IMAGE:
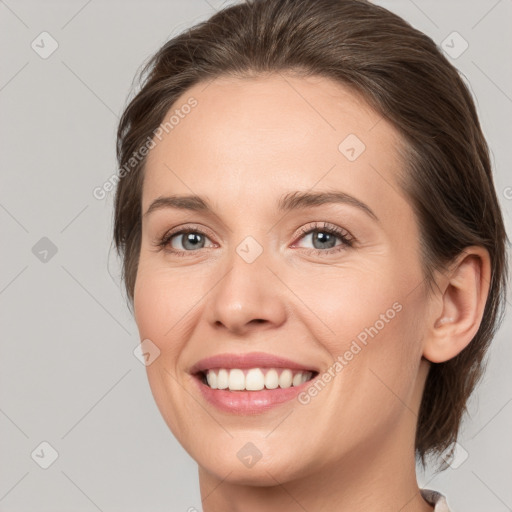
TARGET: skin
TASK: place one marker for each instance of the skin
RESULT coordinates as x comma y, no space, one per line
248,142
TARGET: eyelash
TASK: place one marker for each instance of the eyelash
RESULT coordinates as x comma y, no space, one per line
324,227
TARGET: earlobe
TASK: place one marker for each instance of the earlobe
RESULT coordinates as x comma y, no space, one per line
457,317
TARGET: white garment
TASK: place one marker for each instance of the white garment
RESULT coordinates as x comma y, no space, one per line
436,499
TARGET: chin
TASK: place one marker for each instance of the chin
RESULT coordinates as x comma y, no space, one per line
266,472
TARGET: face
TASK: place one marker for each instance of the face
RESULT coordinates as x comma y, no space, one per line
285,301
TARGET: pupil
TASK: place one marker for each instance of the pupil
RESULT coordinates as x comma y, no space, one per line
192,238
324,238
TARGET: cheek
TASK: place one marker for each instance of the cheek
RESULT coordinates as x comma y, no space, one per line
162,296
148,307
391,347
160,314
360,305
158,308
374,329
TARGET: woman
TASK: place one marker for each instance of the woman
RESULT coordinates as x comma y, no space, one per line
313,249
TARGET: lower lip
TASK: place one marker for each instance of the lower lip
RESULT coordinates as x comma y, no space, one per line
249,402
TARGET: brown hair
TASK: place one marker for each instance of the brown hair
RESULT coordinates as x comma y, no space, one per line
403,76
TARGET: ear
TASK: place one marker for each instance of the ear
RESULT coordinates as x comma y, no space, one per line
457,313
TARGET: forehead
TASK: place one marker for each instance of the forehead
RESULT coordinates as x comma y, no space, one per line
272,134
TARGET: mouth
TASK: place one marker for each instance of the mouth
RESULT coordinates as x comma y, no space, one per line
247,384
254,379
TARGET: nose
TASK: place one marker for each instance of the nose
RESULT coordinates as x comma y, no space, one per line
248,296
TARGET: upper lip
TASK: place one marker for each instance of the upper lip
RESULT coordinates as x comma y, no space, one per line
249,360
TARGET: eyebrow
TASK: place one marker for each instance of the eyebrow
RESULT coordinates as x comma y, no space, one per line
288,202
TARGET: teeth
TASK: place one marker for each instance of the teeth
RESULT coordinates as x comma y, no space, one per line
236,380
255,379
222,379
286,379
211,378
271,379
297,379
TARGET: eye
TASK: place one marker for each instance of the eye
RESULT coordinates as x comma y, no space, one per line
184,241
324,237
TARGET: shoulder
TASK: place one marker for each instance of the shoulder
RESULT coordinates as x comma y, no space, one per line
436,499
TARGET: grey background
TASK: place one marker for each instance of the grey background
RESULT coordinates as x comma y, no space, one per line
68,375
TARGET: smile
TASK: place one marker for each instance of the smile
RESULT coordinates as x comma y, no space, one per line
250,383
255,379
